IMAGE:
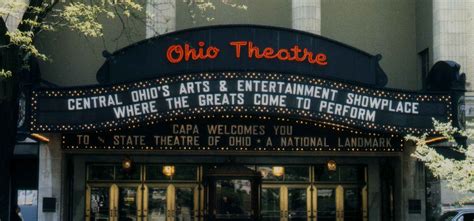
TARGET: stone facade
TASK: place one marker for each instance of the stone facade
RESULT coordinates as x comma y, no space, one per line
161,17
453,39
453,34
306,15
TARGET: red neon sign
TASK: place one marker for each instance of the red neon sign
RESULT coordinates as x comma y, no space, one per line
178,53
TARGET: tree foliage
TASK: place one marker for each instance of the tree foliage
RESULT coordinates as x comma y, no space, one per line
83,17
457,172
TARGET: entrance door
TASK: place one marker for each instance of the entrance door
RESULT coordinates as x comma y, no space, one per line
354,201
156,203
271,203
112,202
128,203
233,199
285,202
327,208
140,202
99,200
171,202
341,203
232,194
297,205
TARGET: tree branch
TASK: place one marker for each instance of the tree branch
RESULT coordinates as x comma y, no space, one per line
39,17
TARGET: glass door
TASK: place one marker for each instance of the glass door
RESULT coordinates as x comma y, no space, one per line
156,208
171,202
111,202
297,205
352,204
271,204
233,199
341,192
135,202
355,203
232,193
326,204
98,202
285,202
185,205
341,203
116,195
128,202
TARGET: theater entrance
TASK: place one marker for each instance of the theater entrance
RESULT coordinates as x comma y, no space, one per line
158,192
149,192
232,193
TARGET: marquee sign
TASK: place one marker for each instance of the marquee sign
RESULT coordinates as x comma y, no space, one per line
241,48
295,97
235,135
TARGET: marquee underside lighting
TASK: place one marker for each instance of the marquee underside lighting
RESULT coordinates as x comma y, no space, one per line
231,133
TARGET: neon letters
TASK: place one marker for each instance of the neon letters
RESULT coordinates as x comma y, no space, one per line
178,53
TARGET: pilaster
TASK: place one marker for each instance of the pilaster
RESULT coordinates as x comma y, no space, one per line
453,34
306,15
50,177
161,17
413,185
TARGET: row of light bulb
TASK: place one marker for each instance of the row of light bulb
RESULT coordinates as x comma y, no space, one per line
278,171
168,170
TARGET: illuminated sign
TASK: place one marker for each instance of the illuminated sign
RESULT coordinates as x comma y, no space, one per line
178,53
294,97
235,135
241,48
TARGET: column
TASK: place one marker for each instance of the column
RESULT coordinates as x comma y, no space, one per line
161,17
50,176
13,19
374,196
453,34
306,15
413,184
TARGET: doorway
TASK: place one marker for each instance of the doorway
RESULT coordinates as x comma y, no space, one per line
232,193
146,193
158,192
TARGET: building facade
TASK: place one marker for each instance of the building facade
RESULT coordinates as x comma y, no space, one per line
114,173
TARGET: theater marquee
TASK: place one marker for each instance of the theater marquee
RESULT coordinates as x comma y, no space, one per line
226,134
239,71
294,97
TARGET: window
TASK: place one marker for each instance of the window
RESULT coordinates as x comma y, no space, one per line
27,197
100,172
27,201
424,58
180,172
132,174
284,173
344,173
